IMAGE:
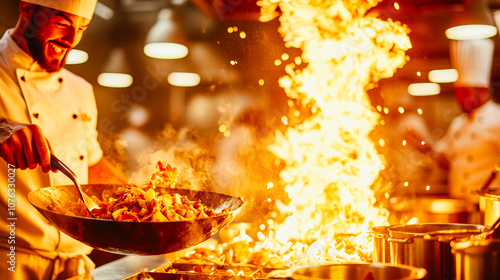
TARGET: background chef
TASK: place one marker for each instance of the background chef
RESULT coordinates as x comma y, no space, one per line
471,146
45,108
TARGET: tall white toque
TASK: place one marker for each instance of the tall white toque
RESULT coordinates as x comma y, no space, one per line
82,8
473,61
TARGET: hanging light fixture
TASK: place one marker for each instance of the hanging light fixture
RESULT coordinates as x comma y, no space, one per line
115,71
166,40
474,22
424,89
443,75
77,57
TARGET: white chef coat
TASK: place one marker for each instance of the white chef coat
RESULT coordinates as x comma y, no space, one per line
472,145
63,105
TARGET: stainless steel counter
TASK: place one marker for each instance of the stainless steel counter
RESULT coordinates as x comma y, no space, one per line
123,268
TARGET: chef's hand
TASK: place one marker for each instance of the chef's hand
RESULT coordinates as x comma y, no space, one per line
24,145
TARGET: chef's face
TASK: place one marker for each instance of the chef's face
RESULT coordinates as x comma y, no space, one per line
52,34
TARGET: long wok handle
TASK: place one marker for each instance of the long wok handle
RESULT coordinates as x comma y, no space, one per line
59,165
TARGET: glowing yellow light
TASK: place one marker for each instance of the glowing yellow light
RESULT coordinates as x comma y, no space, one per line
471,32
233,62
222,128
401,110
115,80
184,79
243,35
227,133
298,60
422,143
443,75
166,50
379,108
382,122
230,30
382,167
285,57
270,185
290,103
386,110
396,6
424,89
419,111
261,82
387,195
277,62
284,120
296,113
262,227
381,142
406,184
404,142
235,28
427,188
269,199
419,74
77,57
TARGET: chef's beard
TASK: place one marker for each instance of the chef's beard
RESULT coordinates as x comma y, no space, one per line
36,47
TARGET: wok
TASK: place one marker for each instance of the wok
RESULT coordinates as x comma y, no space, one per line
61,206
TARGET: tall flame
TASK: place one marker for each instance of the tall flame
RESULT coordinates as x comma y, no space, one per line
331,161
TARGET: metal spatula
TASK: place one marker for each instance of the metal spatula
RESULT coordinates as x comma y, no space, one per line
87,200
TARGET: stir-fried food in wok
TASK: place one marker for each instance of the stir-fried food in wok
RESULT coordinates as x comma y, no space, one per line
145,204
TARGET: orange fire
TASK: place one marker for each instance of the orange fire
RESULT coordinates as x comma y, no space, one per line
331,161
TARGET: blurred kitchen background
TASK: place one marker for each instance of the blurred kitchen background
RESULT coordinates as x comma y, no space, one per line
233,63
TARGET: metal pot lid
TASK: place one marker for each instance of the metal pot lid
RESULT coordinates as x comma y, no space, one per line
421,229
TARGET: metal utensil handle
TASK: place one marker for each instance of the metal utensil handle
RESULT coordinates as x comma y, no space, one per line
59,165
492,176
399,240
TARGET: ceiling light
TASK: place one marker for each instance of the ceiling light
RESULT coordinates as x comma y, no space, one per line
474,22
471,32
104,11
77,57
424,89
115,71
166,39
183,79
115,80
443,76
165,50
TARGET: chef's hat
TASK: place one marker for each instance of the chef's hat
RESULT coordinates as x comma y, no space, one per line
473,61
83,8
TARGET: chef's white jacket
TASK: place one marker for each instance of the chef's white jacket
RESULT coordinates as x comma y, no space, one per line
63,105
472,145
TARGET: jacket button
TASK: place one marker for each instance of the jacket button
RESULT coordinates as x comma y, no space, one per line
60,80
75,116
81,157
23,79
36,115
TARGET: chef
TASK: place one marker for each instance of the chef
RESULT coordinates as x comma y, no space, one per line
44,108
471,146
